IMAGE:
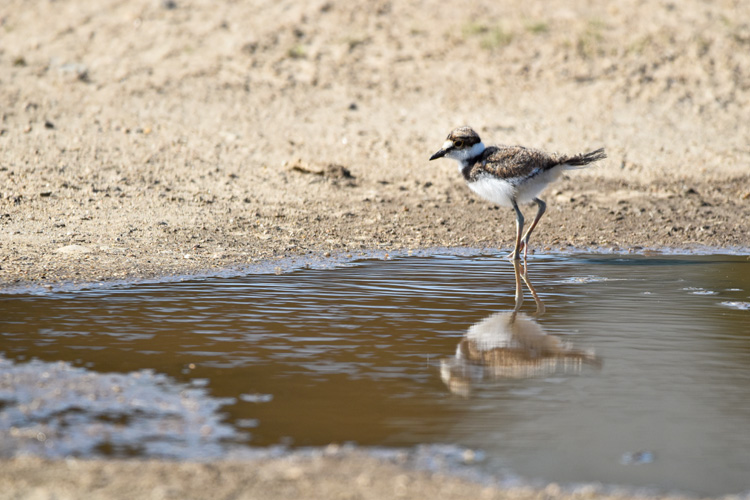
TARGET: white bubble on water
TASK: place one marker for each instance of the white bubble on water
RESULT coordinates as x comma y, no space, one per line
57,410
734,304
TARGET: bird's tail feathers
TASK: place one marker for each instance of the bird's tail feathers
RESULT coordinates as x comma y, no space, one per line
582,160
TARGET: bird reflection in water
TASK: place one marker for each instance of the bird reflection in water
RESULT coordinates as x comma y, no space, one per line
511,345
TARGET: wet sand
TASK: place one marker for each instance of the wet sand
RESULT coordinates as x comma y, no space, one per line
325,476
151,138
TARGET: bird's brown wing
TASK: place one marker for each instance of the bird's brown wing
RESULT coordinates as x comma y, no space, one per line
513,161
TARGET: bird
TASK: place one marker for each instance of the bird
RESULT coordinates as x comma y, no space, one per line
510,176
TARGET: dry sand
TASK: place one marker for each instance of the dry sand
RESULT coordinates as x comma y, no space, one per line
145,138
141,140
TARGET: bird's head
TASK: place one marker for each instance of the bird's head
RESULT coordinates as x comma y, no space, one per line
461,144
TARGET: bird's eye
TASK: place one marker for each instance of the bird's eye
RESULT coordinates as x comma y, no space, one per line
458,144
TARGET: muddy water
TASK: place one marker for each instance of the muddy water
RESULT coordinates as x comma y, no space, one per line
637,373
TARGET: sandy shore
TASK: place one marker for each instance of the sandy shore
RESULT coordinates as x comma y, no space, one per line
149,138
332,477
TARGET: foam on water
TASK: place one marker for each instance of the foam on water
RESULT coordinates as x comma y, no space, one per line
58,410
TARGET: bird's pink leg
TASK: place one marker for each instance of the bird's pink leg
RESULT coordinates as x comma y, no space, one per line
540,211
516,253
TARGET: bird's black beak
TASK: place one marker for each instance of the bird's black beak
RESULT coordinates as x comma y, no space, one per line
439,154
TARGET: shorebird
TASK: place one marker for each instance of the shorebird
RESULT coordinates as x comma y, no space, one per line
510,175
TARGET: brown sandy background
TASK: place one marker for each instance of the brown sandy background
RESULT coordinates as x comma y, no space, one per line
145,137
148,137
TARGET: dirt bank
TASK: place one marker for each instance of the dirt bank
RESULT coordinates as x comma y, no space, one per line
146,138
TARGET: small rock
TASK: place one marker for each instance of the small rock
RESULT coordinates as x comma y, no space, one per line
293,473
334,171
249,47
553,490
78,70
73,250
469,457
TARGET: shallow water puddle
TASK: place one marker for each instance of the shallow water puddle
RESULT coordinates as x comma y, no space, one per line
399,353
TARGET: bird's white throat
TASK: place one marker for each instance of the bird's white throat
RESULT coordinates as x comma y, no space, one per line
462,156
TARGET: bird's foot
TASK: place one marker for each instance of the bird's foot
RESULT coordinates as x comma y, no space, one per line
516,253
513,256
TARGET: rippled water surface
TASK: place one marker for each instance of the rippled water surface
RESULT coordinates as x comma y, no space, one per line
399,353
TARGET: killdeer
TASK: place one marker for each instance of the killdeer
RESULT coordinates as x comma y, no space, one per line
510,175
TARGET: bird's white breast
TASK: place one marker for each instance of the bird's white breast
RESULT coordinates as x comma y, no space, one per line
522,189
498,191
